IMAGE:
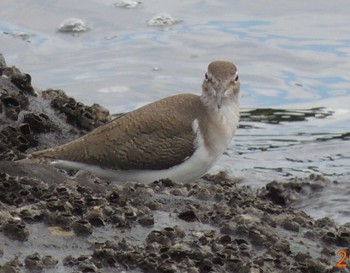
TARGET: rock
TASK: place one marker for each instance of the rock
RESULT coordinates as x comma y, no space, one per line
33,262
209,225
82,228
16,230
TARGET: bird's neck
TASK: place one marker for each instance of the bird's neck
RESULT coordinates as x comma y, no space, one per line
221,124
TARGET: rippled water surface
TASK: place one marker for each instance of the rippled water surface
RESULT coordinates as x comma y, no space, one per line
293,59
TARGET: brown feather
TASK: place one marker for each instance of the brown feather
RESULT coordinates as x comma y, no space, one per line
156,136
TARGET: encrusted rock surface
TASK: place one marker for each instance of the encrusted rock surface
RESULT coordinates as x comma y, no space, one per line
53,221
32,119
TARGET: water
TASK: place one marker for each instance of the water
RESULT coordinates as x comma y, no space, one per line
292,56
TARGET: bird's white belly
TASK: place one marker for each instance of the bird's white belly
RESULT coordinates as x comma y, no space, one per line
192,168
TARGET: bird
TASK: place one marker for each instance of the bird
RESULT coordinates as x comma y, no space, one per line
178,137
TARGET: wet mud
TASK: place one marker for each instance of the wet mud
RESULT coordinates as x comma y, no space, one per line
57,221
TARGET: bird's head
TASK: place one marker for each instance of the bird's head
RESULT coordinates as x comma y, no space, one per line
221,84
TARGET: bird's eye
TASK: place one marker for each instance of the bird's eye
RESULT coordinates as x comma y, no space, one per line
208,77
237,78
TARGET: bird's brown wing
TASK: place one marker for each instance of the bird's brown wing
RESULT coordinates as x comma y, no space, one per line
156,136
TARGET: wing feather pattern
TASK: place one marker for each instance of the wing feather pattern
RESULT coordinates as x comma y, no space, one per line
156,136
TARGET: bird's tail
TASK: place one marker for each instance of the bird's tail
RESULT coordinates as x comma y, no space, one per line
38,157
28,160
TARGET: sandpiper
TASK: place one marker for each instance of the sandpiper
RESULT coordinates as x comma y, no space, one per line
178,137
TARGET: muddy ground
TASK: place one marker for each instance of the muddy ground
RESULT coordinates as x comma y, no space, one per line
57,221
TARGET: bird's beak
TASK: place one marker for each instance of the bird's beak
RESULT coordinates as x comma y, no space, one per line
219,96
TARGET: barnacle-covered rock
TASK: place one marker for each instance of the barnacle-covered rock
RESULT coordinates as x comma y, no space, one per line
95,217
39,123
16,230
33,262
82,228
21,80
12,266
76,113
188,215
158,237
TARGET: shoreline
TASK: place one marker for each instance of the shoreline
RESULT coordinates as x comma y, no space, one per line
53,221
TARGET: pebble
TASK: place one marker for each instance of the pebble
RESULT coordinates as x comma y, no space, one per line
16,230
163,20
129,4
82,228
73,25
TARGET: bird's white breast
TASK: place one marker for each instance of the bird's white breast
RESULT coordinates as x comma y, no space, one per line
226,122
